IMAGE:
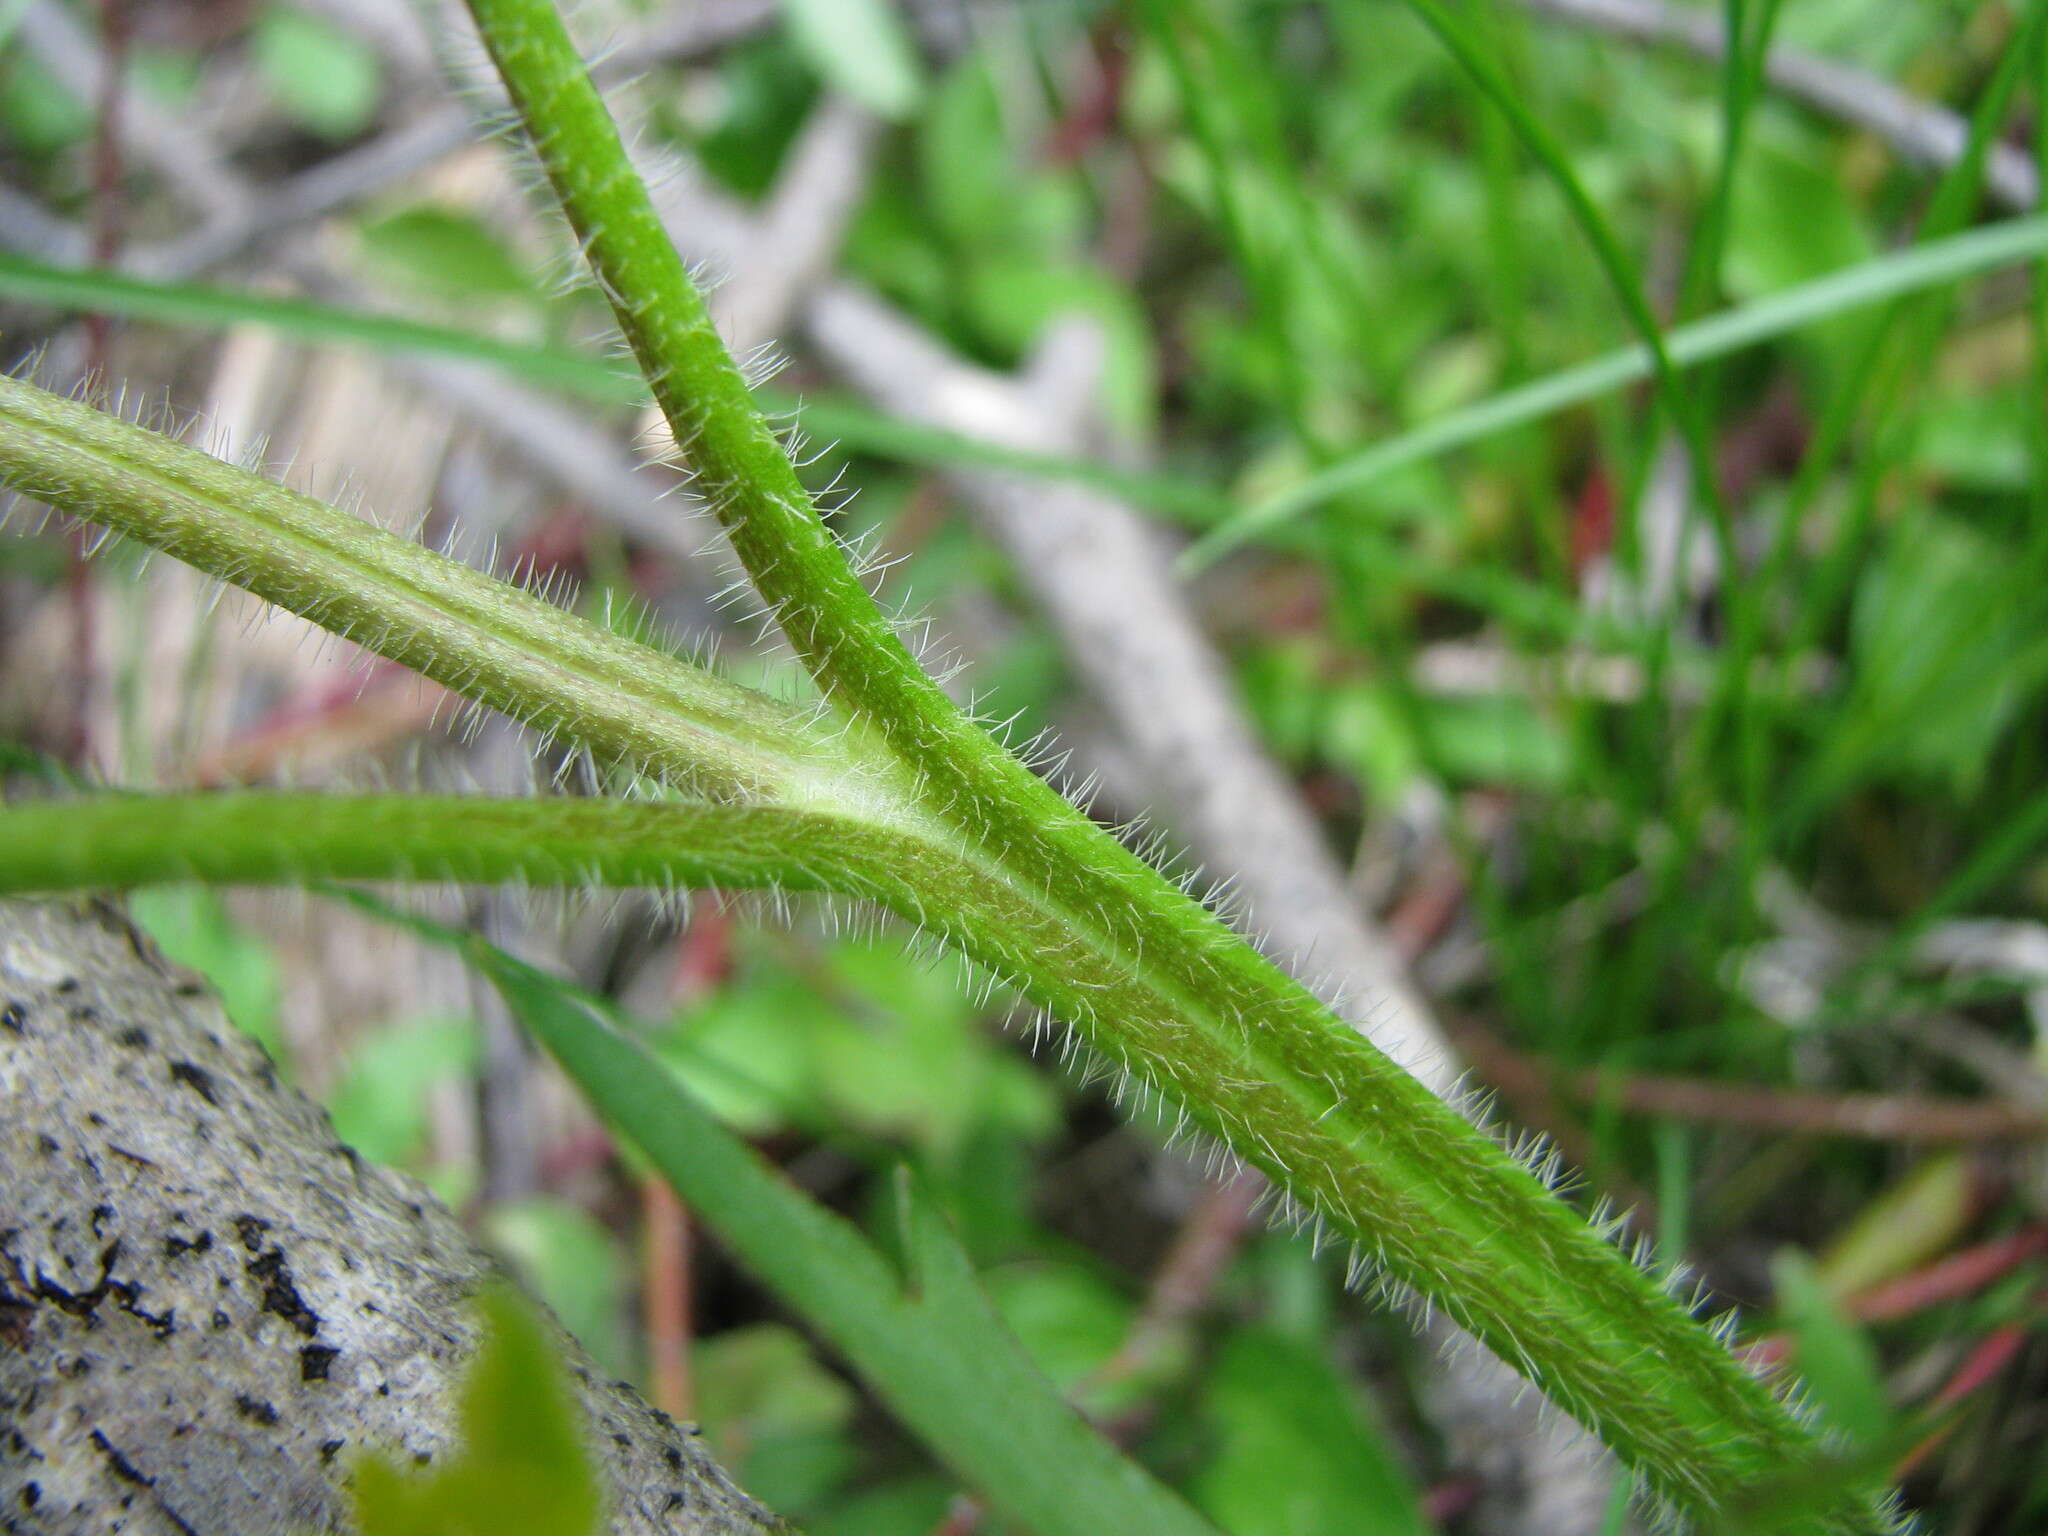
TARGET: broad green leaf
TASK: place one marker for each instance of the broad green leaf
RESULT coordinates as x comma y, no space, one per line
379,1102
862,48
782,1422
1014,299
1071,1321
909,1506
39,115
522,1468
1793,220
1947,641
964,160
572,1262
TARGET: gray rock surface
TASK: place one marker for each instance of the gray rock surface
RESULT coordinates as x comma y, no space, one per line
207,1302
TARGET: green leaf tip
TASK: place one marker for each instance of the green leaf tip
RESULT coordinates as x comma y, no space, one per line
521,1467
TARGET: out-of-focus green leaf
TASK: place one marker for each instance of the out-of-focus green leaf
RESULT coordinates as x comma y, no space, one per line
967,175
379,1101
320,75
764,1379
1912,1223
1294,1455
1071,1321
1978,439
1498,740
38,114
744,1051
1832,1353
572,1263
1947,638
521,1470
190,924
1015,299
862,48
910,1506
891,1045
780,1420
1793,220
447,253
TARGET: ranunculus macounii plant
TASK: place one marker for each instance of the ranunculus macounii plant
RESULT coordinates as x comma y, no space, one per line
889,792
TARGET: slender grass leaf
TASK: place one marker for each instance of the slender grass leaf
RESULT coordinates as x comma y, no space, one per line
918,1329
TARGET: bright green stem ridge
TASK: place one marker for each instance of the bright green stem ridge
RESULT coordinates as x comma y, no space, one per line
261,836
1147,978
489,641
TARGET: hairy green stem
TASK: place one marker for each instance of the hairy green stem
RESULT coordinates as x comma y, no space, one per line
913,805
1147,976
481,637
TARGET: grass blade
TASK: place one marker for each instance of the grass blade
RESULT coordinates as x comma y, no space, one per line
2004,244
919,1329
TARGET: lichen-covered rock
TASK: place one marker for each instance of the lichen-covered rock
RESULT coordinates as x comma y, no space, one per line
207,1302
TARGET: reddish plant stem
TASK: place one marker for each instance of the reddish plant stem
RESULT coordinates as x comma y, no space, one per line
1960,1274
1188,1273
1963,1273
1894,1117
1986,1359
703,960
1095,114
666,1297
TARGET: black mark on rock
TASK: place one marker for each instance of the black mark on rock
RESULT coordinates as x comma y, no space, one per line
314,1360
198,1079
280,1295
255,1410
123,1467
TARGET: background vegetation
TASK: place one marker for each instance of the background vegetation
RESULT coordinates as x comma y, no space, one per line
1730,883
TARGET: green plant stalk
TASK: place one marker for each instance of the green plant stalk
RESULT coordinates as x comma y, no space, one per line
1146,976
493,643
1156,983
269,836
1149,979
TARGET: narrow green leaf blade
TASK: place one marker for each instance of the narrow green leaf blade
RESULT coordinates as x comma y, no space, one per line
924,1338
